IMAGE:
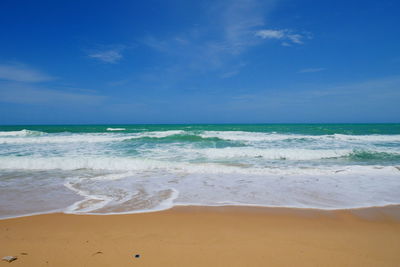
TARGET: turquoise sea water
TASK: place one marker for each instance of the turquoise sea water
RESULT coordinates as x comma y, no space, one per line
134,168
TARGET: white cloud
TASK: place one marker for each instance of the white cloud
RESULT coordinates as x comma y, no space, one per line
22,73
308,70
286,36
295,38
108,56
271,34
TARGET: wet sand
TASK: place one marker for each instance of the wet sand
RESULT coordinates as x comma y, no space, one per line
207,236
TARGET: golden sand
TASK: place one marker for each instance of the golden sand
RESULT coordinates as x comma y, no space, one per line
204,236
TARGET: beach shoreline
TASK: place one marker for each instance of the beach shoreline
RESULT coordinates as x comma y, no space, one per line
89,169
201,235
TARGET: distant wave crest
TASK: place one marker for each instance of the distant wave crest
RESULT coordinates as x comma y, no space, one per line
23,132
116,129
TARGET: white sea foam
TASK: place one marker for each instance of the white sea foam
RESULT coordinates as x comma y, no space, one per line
145,185
90,201
23,132
161,134
115,200
27,136
85,138
63,139
258,136
246,136
143,165
352,187
271,154
369,138
116,129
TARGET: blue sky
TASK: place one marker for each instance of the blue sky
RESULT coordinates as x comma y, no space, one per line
220,61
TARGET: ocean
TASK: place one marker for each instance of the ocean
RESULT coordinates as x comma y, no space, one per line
113,169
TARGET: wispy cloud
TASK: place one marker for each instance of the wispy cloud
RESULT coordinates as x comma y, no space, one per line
229,74
235,27
288,37
215,46
363,97
309,70
373,88
233,70
21,93
238,19
22,73
271,34
108,56
20,84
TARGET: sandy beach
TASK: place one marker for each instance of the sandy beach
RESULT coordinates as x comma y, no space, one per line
207,236
212,133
